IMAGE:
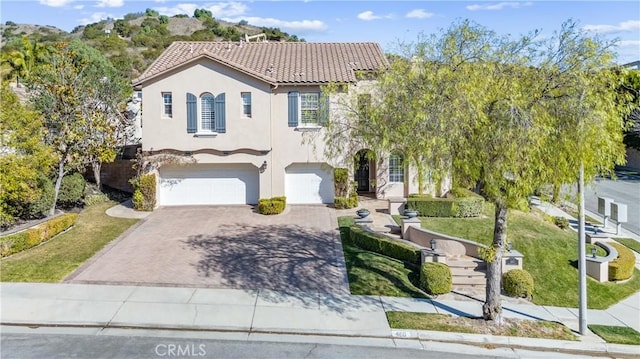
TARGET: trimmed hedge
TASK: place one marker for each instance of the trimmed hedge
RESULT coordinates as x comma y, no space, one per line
386,246
271,206
144,193
518,283
447,207
621,268
33,236
435,278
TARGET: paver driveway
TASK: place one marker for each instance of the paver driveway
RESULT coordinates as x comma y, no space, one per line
230,247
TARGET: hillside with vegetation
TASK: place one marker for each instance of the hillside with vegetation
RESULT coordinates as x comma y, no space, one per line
133,42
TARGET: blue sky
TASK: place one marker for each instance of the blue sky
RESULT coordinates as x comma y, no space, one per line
386,22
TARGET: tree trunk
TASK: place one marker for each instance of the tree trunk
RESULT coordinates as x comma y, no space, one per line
56,191
97,167
555,198
492,306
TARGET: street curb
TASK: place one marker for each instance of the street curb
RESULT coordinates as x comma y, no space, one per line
477,340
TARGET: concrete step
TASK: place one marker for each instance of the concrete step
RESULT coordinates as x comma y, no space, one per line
467,263
468,272
469,281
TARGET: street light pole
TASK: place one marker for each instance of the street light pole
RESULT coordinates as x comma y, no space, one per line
582,258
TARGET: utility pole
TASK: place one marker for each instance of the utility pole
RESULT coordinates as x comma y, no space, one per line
582,255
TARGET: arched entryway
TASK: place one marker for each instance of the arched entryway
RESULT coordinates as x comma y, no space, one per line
364,171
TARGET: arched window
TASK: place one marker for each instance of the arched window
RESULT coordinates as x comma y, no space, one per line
396,167
207,113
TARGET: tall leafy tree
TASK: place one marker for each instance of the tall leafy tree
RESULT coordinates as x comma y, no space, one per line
23,61
486,108
80,96
24,160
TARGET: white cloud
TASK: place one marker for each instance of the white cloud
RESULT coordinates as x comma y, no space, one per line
499,6
369,15
78,7
631,25
55,3
110,3
95,17
419,14
218,10
296,25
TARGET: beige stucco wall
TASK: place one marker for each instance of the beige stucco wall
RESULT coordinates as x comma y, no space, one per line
159,132
265,136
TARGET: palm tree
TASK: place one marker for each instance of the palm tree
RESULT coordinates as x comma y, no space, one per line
21,62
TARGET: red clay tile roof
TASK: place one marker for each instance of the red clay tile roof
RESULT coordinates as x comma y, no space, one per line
277,62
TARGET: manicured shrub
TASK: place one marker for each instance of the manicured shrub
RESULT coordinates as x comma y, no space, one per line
386,246
144,193
561,222
346,202
33,236
518,283
40,207
71,190
621,268
446,207
435,278
341,182
420,195
461,192
271,206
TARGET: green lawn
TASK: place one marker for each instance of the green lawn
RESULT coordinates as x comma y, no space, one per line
373,274
509,327
549,255
629,242
618,335
57,258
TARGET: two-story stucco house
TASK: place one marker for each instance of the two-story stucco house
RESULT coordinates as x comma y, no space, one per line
241,111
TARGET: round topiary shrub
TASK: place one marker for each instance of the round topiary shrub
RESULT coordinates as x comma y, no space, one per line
518,283
71,190
435,278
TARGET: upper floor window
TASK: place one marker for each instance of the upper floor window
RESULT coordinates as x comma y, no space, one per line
207,113
207,116
246,104
309,109
396,168
167,104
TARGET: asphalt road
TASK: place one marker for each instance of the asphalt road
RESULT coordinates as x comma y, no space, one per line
102,346
625,189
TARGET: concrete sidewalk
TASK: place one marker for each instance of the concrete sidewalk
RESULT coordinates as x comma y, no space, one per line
270,312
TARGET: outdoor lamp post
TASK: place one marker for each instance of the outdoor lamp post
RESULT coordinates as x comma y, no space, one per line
433,244
509,246
593,251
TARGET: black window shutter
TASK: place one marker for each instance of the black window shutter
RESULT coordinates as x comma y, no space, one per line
220,114
293,109
192,113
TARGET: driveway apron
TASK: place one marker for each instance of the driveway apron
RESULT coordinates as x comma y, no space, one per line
226,247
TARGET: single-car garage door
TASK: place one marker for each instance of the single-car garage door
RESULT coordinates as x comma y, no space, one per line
309,183
202,184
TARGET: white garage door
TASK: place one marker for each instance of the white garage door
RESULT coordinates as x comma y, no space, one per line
309,183
203,184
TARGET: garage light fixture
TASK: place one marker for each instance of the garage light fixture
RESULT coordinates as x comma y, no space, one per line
263,167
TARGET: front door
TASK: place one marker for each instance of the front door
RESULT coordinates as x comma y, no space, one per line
362,172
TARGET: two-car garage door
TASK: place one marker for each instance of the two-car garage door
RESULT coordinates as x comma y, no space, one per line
208,184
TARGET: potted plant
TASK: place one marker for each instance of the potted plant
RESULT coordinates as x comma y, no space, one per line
363,212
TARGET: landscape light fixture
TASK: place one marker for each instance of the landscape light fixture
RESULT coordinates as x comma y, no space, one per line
593,251
433,244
